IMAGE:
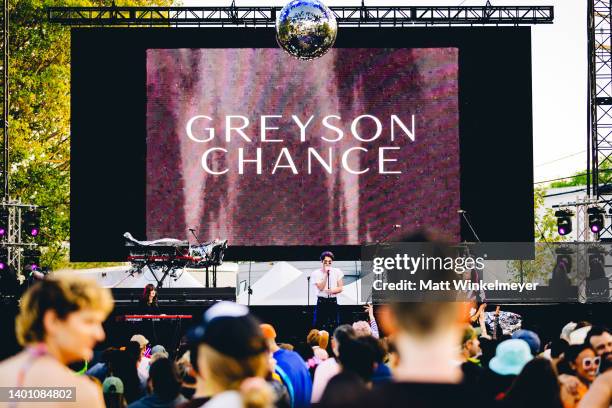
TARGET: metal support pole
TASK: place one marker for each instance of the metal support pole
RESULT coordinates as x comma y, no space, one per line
599,25
5,103
590,92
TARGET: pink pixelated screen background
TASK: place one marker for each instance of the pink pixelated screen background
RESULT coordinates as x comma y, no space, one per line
308,208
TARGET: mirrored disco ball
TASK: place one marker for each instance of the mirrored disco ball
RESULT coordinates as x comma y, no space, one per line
306,29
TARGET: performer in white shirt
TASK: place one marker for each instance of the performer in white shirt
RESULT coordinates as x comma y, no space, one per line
328,284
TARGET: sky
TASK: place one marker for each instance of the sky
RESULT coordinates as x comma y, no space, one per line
559,77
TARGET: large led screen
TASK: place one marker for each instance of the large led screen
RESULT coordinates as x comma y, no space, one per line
260,148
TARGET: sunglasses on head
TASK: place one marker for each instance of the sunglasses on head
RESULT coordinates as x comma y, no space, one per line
588,362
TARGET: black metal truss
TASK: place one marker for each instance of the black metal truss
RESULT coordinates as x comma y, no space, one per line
266,16
599,140
5,99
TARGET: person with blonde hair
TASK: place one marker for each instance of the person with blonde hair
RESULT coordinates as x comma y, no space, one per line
59,323
323,343
362,328
231,350
367,328
314,339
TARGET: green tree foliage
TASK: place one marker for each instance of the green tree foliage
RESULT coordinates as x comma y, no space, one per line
39,116
545,220
579,178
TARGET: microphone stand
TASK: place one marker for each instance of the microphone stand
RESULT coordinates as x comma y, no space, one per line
464,215
308,290
249,290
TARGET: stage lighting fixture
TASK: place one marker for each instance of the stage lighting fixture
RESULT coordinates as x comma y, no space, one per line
30,223
564,221
4,221
596,219
31,260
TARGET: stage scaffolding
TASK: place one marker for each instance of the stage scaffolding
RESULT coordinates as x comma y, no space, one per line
266,16
12,241
599,140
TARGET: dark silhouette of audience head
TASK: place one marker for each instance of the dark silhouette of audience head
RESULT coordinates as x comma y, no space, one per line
164,379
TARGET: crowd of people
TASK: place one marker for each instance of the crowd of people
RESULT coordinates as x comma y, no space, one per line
427,354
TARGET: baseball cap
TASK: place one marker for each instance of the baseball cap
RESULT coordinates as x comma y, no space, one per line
140,339
158,349
567,329
112,385
531,338
578,336
228,328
